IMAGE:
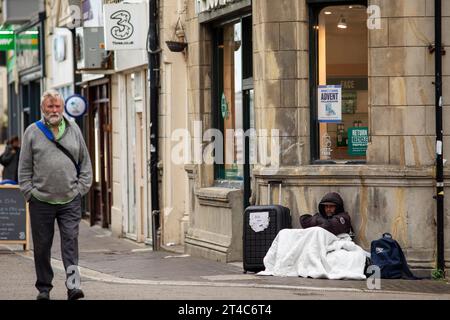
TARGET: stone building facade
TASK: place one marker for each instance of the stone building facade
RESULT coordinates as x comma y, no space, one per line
387,188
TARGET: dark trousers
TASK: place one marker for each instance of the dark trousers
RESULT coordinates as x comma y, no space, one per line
42,217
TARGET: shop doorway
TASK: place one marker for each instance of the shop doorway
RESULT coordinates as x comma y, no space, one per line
30,97
138,226
99,139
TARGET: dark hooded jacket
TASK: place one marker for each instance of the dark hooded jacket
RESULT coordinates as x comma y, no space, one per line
338,223
10,161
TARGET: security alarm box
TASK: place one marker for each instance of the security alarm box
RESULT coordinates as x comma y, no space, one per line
90,50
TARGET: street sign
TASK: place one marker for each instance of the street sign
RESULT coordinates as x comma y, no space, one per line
358,138
76,106
330,103
126,26
6,40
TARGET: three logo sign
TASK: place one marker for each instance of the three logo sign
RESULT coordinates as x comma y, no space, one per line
125,26
123,29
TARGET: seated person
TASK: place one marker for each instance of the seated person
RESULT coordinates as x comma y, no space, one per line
331,216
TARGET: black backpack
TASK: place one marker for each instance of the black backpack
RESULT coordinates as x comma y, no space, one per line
387,254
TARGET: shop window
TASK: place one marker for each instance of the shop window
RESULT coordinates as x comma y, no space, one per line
339,98
232,95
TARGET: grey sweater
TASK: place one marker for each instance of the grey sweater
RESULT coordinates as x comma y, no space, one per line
46,172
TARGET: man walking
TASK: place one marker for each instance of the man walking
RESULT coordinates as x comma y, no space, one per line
54,173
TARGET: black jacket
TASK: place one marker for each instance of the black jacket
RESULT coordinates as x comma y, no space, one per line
338,223
10,162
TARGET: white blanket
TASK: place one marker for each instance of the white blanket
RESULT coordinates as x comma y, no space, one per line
315,253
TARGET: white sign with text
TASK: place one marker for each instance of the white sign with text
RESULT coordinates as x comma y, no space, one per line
208,5
330,103
126,26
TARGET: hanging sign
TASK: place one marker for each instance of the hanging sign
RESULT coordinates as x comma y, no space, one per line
6,40
126,26
330,103
76,106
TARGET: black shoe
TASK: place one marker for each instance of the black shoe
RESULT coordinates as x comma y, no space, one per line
75,294
44,295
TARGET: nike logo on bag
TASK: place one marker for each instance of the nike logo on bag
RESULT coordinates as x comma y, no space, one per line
379,250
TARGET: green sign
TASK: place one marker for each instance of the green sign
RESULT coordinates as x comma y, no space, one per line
10,60
358,138
28,40
224,106
6,40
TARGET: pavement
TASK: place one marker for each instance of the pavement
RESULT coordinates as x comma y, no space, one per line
115,260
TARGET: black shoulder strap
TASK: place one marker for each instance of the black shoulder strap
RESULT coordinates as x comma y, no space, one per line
68,154
50,137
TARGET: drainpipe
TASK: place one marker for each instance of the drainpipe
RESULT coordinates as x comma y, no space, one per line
439,138
153,78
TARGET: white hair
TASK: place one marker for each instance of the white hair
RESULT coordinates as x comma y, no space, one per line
51,94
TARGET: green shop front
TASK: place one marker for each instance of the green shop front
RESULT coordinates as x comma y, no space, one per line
24,49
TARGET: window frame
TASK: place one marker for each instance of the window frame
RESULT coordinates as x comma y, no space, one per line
217,84
314,8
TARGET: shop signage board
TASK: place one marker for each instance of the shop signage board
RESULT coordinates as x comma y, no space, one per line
13,216
28,40
27,49
358,138
208,5
7,40
349,83
330,103
126,26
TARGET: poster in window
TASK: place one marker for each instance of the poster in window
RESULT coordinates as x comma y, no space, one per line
330,103
349,101
358,138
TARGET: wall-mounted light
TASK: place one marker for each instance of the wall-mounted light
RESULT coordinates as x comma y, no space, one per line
327,12
342,24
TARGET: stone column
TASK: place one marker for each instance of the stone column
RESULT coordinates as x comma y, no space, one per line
199,69
281,75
